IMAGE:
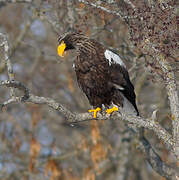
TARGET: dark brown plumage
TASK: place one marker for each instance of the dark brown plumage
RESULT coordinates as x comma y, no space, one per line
100,73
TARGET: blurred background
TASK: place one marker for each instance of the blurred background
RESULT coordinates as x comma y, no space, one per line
36,142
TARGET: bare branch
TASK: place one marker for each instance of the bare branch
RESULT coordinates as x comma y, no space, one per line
171,88
116,13
168,75
18,85
152,156
76,118
7,60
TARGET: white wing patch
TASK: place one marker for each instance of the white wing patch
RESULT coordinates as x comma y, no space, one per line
113,58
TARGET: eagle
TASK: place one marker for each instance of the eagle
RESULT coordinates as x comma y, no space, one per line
101,74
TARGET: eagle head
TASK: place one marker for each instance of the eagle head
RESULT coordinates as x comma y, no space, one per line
65,43
70,41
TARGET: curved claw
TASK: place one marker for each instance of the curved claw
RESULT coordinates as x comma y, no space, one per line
109,111
94,111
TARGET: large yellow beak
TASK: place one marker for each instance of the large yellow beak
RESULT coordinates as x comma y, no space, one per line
61,49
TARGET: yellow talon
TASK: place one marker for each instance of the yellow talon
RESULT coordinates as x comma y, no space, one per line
109,111
95,111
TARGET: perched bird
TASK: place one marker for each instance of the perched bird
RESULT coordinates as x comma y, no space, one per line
101,74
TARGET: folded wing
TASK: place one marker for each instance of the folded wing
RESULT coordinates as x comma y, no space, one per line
121,81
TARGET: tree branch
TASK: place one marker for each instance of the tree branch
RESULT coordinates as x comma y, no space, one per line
7,60
171,88
116,13
172,92
76,118
153,158
168,73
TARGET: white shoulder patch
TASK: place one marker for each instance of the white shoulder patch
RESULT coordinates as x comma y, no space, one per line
113,58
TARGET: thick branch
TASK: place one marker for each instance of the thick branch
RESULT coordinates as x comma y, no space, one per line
168,75
153,158
75,118
172,92
171,88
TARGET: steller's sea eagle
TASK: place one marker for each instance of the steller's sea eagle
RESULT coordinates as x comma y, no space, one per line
101,74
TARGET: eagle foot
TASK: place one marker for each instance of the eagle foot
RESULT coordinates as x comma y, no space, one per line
111,110
94,111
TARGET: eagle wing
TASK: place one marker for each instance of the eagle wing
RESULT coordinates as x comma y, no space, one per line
120,77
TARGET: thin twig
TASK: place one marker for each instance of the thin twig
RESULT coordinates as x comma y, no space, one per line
116,13
7,61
